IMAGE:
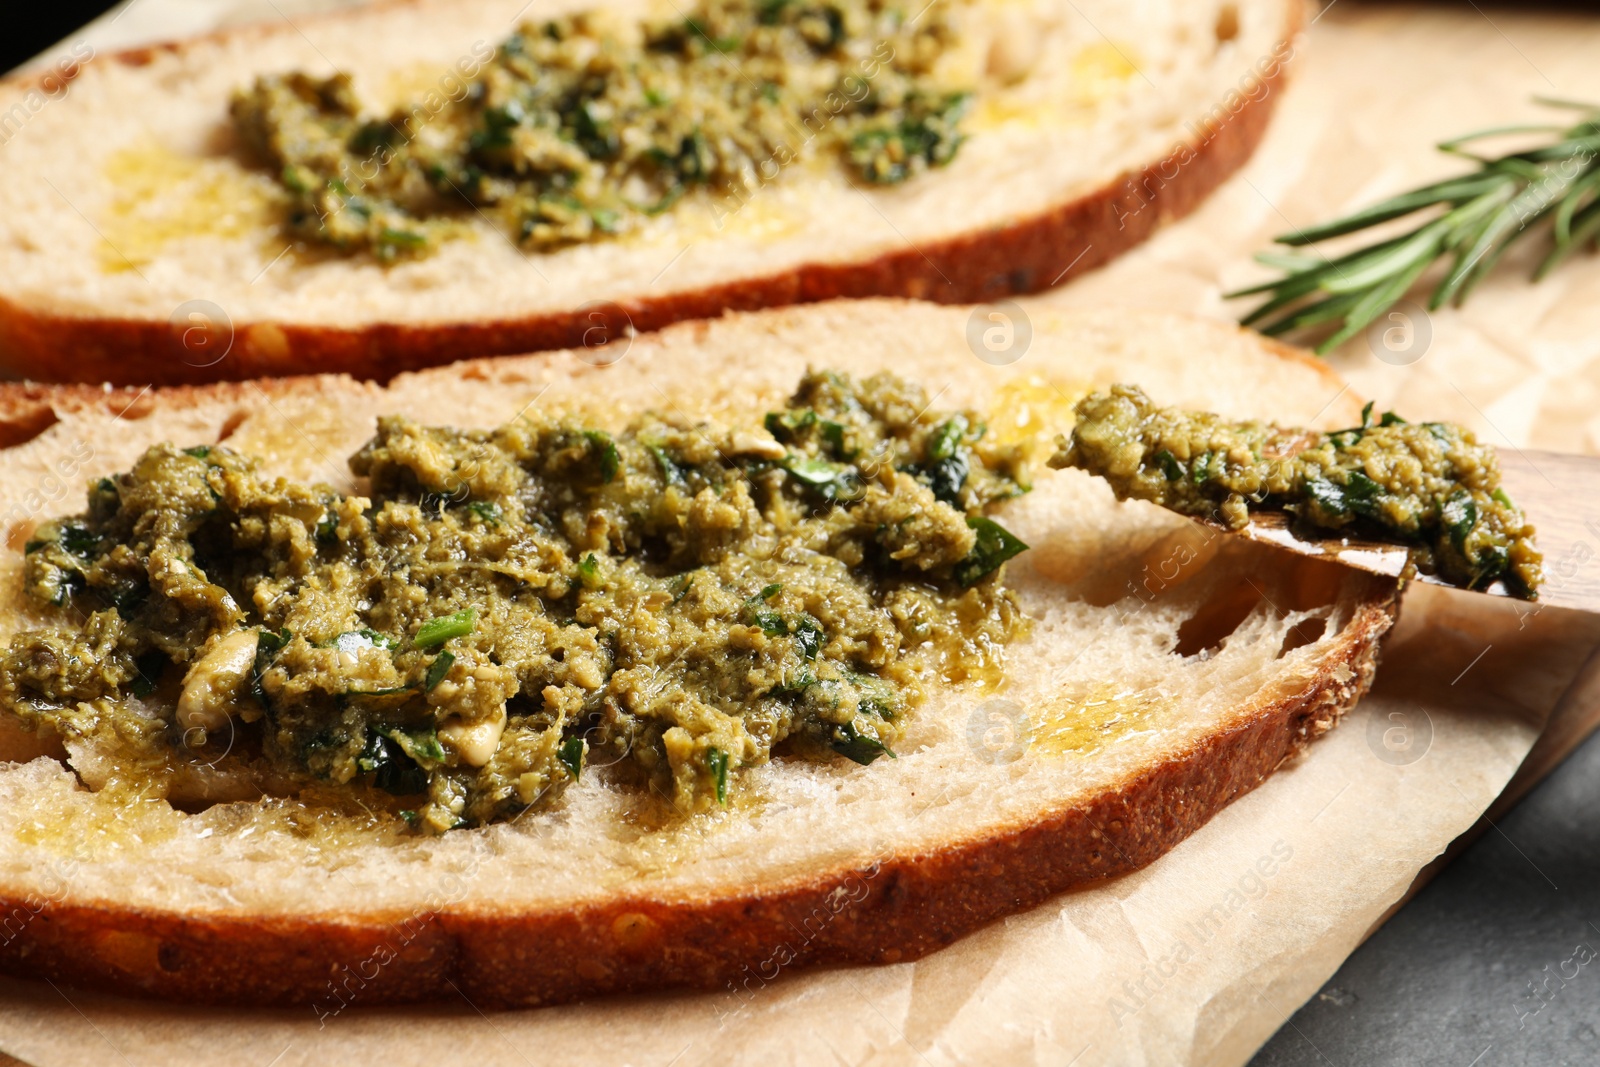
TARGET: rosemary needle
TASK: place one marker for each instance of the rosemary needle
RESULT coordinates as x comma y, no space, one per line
1476,217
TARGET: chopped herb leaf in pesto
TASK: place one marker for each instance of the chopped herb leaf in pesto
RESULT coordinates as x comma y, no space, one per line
420,744
149,665
995,544
669,469
328,528
606,449
858,747
446,627
925,134
571,753
487,510
437,670
717,764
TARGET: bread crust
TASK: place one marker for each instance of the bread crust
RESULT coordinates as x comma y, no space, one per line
1026,256
899,908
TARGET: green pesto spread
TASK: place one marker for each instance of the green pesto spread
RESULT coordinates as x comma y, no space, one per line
582,127
504,607
1429,486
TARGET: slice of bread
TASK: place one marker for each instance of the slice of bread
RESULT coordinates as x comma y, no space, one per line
1167,670
129,216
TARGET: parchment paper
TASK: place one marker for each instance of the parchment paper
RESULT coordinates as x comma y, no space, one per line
1200,957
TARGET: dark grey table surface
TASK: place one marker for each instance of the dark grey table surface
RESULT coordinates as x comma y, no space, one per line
1496,963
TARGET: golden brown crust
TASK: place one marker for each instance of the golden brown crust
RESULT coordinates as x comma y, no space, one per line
900,908
1026,256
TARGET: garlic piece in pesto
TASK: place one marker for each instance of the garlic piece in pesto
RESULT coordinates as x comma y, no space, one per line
476,741
211,688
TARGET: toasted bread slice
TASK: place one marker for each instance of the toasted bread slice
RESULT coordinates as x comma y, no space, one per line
1167,670
130,216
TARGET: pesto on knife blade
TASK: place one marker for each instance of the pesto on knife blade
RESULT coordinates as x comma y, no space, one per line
1429,485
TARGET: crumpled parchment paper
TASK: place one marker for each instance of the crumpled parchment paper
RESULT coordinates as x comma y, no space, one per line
1200,957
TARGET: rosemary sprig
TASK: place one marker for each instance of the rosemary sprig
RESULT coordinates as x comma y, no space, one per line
1483,214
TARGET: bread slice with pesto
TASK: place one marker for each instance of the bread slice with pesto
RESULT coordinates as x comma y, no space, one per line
1164,671
144,239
